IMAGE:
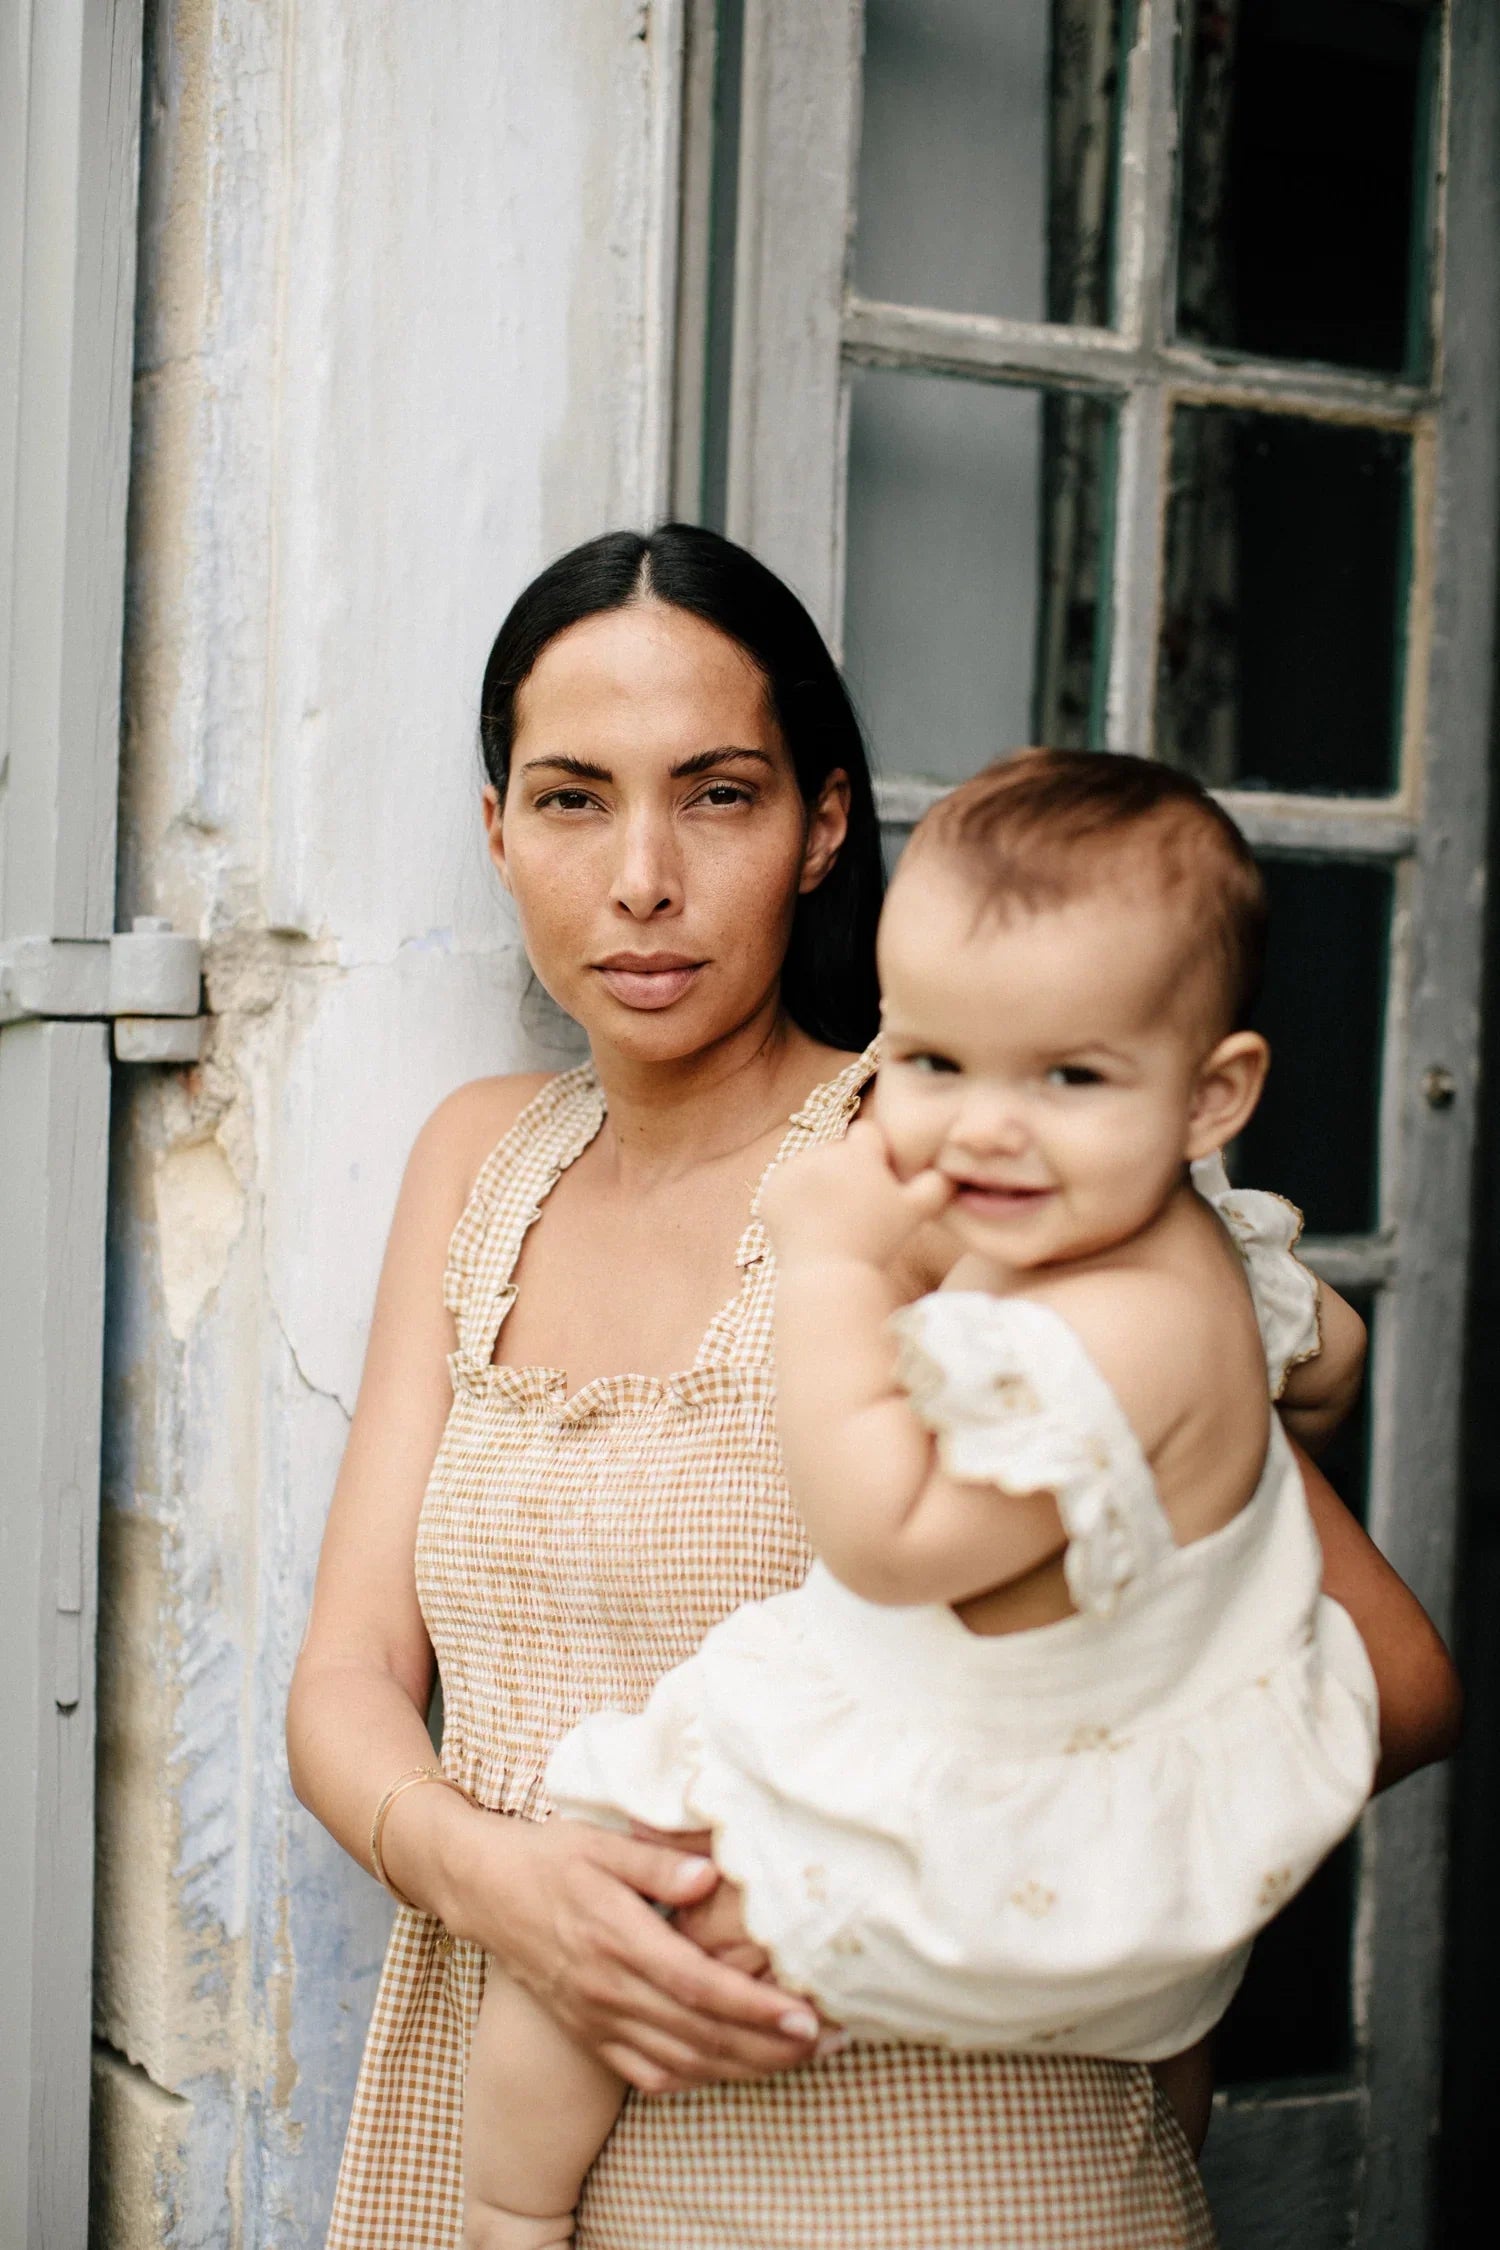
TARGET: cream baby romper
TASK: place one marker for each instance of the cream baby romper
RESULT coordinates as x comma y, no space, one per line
1061,1839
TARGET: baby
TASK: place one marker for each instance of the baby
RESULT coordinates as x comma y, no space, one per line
1060,1717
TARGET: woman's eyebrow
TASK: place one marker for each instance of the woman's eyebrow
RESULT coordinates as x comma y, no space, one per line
703,760
581,769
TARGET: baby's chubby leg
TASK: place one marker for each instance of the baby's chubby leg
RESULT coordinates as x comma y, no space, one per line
537,2111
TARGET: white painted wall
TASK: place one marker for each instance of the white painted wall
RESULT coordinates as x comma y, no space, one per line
396,347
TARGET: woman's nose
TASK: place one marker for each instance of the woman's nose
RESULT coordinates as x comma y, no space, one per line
648,880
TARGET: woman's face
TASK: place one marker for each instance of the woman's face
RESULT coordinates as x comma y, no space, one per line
652,833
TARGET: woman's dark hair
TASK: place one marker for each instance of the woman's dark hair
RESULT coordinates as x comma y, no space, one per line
828,979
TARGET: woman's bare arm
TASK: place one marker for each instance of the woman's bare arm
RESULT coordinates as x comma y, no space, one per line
364,1677
1421,1702
562,1905
1319,1394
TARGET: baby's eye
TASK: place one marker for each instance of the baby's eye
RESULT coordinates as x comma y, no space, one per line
933,1066
1074,1074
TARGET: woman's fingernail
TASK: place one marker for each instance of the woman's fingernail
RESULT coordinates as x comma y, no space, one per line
691,1870
800,2023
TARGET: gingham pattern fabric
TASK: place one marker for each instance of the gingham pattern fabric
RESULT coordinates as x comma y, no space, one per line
571,1549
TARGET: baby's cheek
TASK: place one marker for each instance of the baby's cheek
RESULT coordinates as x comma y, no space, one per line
911,1139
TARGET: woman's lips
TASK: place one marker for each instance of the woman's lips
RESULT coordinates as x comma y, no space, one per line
642,984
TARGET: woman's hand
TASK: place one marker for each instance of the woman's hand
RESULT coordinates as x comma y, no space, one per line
844,1201
563,1908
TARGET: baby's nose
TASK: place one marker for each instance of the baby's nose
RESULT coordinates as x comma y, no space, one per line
991,1121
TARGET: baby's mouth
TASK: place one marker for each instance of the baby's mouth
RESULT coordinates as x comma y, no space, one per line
994,1200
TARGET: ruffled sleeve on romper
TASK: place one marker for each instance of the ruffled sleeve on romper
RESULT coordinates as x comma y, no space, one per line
1015,1401
1265,1230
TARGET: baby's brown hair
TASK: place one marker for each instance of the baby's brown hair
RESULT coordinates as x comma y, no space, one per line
1045,826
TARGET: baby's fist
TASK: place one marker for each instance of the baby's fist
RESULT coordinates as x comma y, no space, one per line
844,1201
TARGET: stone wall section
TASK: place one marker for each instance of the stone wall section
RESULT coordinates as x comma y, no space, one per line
395,347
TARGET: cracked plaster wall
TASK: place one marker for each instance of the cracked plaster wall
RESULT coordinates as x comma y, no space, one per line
393,351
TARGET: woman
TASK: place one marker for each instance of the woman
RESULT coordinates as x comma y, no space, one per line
679,805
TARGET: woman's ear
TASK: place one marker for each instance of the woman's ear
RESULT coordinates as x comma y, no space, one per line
494,831
827,826
1228,1087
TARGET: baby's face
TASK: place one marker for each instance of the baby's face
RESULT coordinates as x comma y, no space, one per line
1046,1063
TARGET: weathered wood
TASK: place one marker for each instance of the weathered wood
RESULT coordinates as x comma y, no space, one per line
1343,2166
1144,431
54,1126
1323,827
797,152
667,35
72,243
1284,2173
694,246
1351,1261
988,349
1427,1172
71,111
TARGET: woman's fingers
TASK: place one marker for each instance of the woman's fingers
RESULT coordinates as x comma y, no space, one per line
706,1987
655,1870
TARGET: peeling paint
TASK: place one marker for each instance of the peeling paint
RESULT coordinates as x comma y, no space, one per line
200,1210
385,252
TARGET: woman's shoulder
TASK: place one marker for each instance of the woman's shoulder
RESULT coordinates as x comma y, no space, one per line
450,1151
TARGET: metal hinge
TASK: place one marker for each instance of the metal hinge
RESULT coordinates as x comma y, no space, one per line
144,981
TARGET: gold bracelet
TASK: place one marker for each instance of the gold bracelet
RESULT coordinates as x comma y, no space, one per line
397,1789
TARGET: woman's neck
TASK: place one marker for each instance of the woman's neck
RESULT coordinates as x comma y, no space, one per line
664,1119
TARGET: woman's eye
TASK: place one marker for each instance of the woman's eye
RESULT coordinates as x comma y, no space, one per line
1073,1074
725,793
565,800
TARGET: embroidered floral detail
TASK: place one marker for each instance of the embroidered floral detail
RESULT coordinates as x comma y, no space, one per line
846,1943
1090,1738
1275,1889
1014,1394
815,1883
1033,1898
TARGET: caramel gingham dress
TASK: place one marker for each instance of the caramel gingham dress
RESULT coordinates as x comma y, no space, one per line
571,1549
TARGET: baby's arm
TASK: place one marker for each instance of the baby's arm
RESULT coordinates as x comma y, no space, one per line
1320,1392
863,1468
537,2111
861,1465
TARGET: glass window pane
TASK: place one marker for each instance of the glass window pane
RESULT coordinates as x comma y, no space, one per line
1314,1138
973,568
1283,605
987,156
1306,137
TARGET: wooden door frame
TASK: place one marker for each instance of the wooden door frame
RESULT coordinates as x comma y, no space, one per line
69,154
1351,2163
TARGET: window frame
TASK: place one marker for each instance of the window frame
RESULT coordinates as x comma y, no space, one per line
1361,2147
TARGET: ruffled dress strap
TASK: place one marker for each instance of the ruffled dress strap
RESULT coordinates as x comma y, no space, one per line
554,1129
742,1331
1265,1230
1014,1400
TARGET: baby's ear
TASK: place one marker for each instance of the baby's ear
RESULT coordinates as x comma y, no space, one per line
1228,1087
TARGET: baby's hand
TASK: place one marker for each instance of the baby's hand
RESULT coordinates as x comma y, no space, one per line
844,1201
